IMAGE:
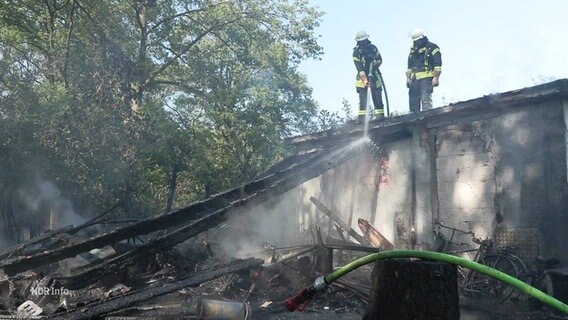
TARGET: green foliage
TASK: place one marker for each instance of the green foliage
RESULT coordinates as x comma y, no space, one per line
112,99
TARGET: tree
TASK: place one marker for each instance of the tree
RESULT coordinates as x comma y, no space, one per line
135,101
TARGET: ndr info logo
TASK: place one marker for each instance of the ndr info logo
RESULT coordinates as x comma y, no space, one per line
38,290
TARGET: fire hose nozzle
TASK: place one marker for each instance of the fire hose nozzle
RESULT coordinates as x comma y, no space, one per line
298,301
301,299
320,284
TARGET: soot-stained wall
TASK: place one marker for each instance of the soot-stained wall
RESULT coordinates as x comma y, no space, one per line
489,174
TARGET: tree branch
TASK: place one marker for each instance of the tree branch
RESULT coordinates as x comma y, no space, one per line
166,65
181,14
186,87
67,43
170,50
103,35
180,117
141,10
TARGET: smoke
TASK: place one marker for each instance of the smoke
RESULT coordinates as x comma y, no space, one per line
34,208
248,232
278,222
39,206
43,196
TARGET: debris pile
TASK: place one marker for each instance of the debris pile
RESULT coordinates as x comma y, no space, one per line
149,276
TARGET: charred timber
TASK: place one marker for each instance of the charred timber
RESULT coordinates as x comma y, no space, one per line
339,222
406,289
205,222
14,250
283,180
47,239
119,303
194,228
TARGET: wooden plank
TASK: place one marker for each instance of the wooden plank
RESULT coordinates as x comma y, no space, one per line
212,218
14,250
121,302
340,222
298,173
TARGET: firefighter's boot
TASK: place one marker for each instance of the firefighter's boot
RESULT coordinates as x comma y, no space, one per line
379,114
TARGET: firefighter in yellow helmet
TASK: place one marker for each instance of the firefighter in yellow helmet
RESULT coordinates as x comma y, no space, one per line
367,59
423,73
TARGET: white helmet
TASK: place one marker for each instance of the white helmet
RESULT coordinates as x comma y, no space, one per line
361,35
417,34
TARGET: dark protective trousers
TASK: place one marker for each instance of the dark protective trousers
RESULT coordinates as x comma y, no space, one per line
420,94
377,94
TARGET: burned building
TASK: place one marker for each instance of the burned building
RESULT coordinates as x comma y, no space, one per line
495,166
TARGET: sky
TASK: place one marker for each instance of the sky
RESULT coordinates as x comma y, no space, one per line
487,47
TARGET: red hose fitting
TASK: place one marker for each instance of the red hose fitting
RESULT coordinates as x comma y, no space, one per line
300,300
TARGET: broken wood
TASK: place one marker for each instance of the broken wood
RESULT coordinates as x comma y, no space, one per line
362,292
47,237
324,261
255,192
295,255
340,232
14,250
210,220
339,222
374,236
129,258
118,303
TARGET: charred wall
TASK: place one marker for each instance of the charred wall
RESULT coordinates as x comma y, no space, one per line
499,172
507,173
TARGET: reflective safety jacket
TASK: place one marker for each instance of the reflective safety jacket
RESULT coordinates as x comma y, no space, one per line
423,61
362,57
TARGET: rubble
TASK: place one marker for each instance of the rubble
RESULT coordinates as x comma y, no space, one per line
86,271
92,271
165,285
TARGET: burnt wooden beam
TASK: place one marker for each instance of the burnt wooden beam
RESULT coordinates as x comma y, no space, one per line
46,238
289,161
115,264
301,172
360,291
374,236
129,299
211,219
339,222
14,250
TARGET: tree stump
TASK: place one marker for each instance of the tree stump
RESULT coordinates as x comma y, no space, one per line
405,289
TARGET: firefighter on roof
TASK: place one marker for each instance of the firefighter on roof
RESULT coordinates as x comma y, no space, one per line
367,60
423,73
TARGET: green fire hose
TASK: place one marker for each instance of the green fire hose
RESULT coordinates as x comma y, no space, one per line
321,283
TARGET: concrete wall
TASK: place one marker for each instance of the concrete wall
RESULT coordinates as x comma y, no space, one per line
507,172
465,170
